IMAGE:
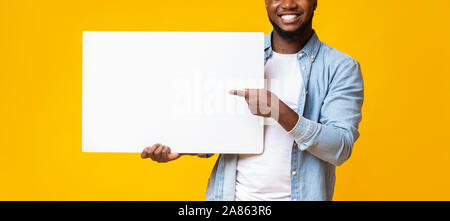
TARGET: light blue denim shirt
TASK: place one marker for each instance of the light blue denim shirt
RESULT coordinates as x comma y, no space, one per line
329,107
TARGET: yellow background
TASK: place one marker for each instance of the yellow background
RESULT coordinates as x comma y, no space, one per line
404,48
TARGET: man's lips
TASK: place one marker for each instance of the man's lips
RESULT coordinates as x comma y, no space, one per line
289,18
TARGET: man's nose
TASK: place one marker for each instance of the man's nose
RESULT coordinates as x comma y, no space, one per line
289,4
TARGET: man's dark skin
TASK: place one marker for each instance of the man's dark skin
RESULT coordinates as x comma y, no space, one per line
290,35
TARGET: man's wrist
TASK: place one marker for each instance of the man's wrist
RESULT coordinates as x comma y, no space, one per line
287,118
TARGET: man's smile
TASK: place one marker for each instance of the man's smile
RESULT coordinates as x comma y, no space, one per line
289,18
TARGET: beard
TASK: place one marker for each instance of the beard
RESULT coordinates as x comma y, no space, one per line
292,35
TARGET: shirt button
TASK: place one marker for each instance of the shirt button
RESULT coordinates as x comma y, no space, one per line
312,57
300,55
294,199
304,68
306,92
294,173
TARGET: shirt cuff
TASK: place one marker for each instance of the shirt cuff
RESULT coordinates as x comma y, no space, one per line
303,131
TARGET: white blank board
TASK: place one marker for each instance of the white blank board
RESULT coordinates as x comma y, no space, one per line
142,88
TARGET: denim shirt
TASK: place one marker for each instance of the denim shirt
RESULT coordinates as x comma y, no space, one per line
329,107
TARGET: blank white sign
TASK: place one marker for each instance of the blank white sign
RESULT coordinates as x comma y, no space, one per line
142,88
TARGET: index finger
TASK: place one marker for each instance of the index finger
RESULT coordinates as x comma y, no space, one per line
240,93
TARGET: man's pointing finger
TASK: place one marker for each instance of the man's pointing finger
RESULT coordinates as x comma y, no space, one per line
238,93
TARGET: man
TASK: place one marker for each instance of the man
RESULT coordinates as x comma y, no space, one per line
318,107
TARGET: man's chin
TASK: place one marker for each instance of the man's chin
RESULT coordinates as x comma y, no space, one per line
289,31
290,28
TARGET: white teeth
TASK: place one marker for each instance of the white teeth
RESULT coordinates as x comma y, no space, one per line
288,17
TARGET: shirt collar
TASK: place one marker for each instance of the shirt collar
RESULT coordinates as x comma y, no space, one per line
311,48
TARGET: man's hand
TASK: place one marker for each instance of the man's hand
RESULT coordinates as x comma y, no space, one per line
261,102
264,103
159,153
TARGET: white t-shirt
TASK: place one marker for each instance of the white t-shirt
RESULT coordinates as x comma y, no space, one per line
267,176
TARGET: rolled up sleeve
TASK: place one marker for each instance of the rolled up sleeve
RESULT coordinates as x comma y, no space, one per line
332,138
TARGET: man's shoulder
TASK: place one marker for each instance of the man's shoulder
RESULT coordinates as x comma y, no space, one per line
339,65
335,57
